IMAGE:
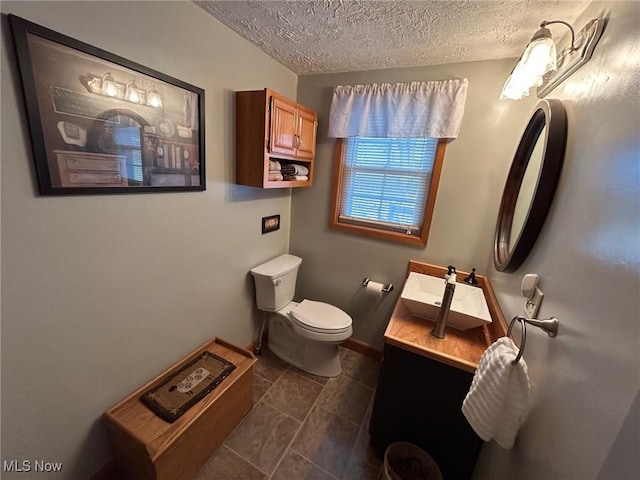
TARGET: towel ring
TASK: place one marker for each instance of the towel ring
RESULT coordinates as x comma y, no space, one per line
524,336
550,326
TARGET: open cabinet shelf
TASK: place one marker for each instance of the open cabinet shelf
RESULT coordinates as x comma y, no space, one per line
270,126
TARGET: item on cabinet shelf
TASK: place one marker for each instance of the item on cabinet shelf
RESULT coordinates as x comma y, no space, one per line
498,399
275,176
296,178
270,128
275,166
294,169
180,391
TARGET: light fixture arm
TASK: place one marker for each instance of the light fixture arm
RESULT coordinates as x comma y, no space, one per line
573,33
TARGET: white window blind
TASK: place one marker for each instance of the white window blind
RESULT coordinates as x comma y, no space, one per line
128,144
386,181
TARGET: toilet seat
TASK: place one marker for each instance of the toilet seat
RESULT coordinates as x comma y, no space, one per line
320,317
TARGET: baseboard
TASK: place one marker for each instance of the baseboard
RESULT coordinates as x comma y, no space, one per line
350,343
363,348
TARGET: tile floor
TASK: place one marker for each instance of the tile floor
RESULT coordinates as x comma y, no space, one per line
303,426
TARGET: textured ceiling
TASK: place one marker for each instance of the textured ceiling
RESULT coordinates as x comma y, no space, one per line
315,36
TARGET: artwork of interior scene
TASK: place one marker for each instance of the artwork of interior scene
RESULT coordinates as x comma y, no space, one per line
101,127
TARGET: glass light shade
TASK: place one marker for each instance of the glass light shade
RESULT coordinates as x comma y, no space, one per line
132,94
539,57
153,98
109,87
514,88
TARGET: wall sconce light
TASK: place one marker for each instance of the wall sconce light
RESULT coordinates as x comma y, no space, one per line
540,66
153,98
109,87
132,94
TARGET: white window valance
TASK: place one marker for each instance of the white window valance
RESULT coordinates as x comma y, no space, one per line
401,110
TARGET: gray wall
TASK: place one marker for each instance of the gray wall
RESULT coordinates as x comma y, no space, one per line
584,382
588,258
473,176
101,293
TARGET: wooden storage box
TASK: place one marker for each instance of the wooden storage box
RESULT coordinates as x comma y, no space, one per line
146,447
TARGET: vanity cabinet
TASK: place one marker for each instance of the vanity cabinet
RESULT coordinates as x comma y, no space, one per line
424,381
419,400
270,126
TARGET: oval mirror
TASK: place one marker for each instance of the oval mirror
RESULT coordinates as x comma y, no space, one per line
530,185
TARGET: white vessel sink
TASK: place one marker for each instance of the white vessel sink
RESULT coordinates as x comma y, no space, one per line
422,294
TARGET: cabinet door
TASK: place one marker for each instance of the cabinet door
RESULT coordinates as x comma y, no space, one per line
283,138
306,134
419,400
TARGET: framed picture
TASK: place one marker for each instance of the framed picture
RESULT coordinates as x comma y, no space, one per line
270,224
100,123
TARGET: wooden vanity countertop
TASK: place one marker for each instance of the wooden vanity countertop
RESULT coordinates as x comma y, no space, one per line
460,348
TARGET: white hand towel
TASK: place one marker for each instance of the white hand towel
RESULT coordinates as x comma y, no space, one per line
498,399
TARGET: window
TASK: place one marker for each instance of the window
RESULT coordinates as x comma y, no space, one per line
386,187
390,144
127,140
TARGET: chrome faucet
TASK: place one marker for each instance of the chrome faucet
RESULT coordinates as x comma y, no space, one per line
443,313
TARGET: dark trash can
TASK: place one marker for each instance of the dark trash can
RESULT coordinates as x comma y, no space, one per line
406,461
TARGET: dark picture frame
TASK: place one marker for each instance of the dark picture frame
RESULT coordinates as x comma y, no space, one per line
270,223
102,124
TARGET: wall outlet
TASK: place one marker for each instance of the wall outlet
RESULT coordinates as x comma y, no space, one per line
533,305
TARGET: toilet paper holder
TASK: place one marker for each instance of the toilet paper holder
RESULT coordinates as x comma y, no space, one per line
388,287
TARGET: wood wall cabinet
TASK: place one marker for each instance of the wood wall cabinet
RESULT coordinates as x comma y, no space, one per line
270,126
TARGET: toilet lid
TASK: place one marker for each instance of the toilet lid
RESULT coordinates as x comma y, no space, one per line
320,317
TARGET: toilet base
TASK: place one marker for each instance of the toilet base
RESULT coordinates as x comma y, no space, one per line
320,358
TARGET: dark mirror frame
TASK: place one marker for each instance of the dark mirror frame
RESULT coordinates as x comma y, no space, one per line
549,119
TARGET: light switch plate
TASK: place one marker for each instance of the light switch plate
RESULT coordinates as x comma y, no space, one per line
533,305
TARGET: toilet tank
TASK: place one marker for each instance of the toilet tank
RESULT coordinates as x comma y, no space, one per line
275,282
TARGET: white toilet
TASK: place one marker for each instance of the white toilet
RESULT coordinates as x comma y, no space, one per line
304,334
